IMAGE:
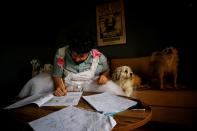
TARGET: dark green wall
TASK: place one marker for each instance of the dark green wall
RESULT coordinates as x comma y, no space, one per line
150,26
30,32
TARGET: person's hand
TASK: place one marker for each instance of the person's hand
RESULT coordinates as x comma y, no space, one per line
60,91
102,80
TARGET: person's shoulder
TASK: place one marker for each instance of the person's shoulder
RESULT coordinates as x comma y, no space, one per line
63,47
97,54
61,51
102,58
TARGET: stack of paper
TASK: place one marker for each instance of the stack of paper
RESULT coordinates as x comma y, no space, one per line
73,119
109,104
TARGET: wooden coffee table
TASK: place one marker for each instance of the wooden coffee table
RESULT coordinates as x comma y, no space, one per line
126,120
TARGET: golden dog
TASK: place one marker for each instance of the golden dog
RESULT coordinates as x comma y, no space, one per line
164,63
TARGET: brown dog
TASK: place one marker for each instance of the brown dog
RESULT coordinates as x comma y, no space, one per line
164,63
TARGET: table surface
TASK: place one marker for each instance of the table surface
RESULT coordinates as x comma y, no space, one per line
126,120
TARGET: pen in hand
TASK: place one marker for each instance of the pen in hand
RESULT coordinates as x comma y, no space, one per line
61,90
64,87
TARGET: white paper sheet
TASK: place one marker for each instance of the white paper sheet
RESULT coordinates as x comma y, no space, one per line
109,104
73,119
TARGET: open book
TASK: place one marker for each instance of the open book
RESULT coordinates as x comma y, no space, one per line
72,98
109,104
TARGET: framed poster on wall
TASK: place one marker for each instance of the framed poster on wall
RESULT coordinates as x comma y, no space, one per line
110,23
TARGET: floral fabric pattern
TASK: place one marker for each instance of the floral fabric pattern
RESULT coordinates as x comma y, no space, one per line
96,53
60,61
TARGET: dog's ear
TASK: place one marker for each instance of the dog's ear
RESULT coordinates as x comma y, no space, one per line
116,74
175,50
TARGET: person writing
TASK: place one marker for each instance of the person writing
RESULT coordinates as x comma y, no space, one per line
77,67
78,63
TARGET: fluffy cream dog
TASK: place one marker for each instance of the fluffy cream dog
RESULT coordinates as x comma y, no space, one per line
122,76
47,68
36,67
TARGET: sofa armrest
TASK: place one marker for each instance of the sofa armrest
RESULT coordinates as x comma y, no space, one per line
139,65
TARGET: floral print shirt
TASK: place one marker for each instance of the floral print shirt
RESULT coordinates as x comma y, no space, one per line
64,61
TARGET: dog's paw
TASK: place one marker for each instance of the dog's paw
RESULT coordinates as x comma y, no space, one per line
128,92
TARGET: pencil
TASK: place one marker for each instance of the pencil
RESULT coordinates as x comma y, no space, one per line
62,83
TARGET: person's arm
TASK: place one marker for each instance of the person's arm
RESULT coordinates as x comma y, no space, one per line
60,88
103,78
104,75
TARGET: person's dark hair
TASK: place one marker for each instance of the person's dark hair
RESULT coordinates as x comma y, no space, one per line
81,42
